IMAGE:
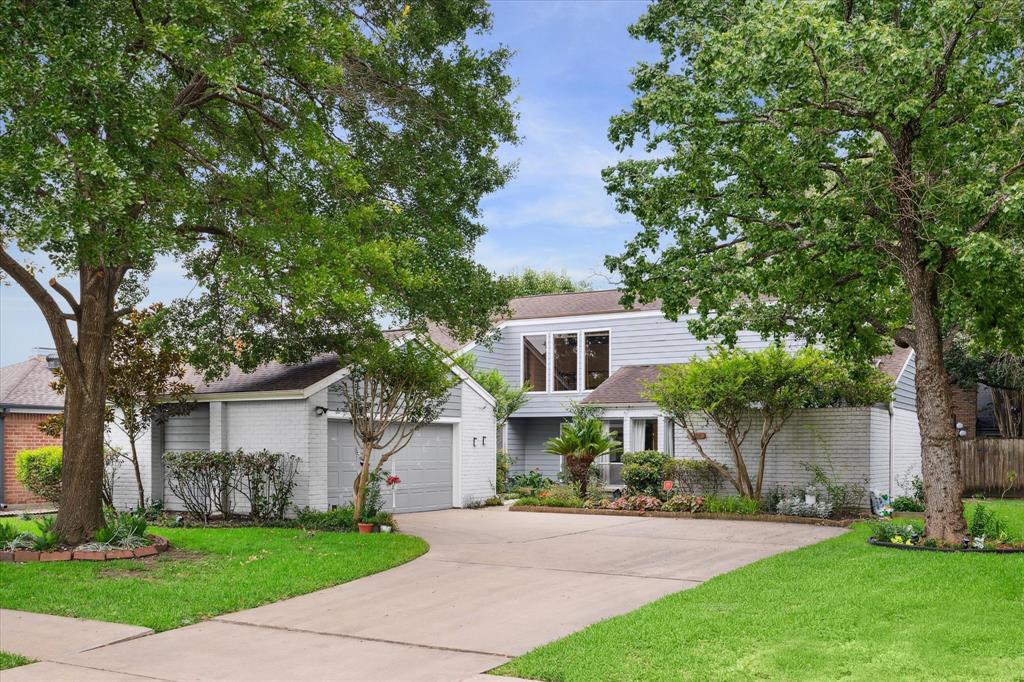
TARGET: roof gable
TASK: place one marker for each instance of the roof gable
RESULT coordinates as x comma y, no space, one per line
27,384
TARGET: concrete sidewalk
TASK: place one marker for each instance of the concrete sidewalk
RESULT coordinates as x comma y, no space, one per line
494,585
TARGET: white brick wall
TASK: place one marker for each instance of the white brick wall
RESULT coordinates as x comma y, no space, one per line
879,442
126,494
841,436
477,470
315,465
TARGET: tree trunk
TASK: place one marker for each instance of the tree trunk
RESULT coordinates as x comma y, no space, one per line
359,485
940,463
138,474
80,513
579,470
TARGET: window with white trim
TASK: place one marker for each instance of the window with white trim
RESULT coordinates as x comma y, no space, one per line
565,362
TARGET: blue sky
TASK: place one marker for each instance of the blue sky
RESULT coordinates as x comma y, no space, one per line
572,63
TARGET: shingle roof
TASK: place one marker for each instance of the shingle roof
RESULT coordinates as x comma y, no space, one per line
275,376
272,376
542,306
27,384
893,363
625,386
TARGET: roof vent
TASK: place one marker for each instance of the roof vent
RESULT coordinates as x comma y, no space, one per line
52,361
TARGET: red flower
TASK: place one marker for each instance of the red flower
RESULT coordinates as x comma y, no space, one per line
392,480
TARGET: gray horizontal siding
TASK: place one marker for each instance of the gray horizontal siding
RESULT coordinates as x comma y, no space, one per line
635,340
188,432
526,445
452,407
905,395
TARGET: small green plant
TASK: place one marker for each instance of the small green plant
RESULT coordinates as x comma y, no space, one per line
7,533
502,464
907,504
890,531
339,519
986,525
731,505
47,538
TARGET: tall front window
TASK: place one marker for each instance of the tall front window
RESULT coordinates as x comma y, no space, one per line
596,358
535,361
566,366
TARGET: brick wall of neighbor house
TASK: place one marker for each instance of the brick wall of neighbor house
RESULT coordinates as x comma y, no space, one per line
965,409
21,432
838,439
479,447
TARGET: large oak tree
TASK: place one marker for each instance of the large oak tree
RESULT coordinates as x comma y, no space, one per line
315,166
849,172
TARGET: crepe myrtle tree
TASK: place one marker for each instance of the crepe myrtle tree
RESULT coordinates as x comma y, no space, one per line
145,384
849,172
312,167
391,393
739,390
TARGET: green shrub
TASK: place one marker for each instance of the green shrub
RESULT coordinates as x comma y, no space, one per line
383,518
555,496
886,531
642,472
693,476
730,505
339,518
531,481
907,504
683,503
39,471
503,462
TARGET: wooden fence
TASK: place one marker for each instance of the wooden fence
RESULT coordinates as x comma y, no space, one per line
986,464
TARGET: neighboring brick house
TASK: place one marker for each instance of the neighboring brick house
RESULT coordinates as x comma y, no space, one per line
25,400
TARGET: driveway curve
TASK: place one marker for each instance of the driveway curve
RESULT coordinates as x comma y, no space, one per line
494,585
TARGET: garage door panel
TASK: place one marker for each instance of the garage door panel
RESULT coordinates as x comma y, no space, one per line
424,467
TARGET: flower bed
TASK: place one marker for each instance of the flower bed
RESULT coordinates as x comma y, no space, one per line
686,515
998,549
159,545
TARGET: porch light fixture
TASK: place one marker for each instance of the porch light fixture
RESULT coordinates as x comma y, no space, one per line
321,410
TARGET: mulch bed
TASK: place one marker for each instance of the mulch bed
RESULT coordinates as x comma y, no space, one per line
970,550
159,546
777,518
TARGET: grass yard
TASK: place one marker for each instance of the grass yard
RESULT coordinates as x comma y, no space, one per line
840,609
12,660
207,573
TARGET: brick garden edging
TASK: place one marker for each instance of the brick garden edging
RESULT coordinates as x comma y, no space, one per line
777,518
159,546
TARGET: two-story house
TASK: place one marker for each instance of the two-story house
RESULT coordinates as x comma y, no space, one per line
586,347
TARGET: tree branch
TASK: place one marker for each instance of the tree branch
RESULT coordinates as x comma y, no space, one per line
68,296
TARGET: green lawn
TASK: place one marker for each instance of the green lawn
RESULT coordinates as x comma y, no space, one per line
12,660
840,609
209,572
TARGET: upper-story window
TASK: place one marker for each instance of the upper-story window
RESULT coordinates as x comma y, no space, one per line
563,362
566,372
596,357
535,361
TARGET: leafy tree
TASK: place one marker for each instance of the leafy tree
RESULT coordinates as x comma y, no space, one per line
144,386
507,397
848,172
314,167
734,389
391,393
580,442
1001,372
530,282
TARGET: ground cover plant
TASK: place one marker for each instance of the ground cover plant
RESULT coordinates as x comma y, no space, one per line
840,609
209,571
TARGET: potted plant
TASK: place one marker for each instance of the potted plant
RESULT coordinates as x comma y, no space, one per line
365,526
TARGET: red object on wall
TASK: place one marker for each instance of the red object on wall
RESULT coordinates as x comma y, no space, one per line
21,432
667,485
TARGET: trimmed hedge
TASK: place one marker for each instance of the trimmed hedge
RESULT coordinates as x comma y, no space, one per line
39,471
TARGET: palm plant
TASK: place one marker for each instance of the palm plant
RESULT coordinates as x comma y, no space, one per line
581,441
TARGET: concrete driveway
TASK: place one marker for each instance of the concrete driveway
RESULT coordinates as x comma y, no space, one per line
494,585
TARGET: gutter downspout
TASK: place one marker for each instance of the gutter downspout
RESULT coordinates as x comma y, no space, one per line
892,414
3,413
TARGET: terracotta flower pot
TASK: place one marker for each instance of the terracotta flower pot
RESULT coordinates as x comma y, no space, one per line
365,527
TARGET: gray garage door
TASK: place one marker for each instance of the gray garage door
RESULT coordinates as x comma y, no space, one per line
425,467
